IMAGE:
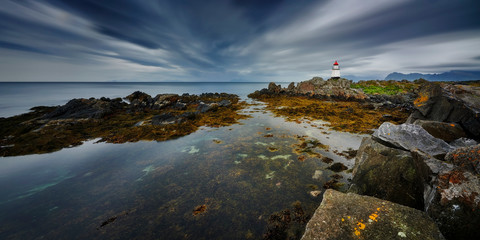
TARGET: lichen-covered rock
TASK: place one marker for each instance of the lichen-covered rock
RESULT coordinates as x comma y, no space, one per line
454,204
449,103
351,216
86,108
411,137
445,131
467,158
388,173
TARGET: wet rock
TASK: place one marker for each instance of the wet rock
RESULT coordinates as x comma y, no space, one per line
351,216
203,107
411,137
317,175
315,193
337,167
164,119
86,108
467,158
225,103
445,131
388,173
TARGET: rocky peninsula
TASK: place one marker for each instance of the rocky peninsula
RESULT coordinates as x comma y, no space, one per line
136,117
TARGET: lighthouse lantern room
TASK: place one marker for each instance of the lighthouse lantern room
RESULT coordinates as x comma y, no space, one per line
336,70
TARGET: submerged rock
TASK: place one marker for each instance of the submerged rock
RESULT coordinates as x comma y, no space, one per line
388,173
411,137
351,216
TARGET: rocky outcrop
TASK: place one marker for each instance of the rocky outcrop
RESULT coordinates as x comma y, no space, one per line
351,216
86,108
388,173
458,104
338,88
411,137
397,164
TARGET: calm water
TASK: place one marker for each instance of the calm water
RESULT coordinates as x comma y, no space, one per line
149,190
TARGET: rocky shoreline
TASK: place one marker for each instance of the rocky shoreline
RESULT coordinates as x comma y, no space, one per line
430,163
136,117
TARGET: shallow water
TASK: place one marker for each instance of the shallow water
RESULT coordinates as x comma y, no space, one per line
149,190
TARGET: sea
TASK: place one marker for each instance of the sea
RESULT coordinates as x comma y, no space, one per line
234,182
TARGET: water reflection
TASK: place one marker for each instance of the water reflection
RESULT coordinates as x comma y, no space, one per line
215,183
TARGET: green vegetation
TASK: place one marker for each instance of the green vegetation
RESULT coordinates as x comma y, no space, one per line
385,87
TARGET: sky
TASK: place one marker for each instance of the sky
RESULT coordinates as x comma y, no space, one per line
234,40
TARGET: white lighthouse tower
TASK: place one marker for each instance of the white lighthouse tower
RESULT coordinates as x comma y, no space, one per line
336,70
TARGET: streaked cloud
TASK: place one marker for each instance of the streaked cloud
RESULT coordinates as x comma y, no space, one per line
237,40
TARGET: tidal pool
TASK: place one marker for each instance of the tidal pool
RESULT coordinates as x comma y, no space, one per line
217,183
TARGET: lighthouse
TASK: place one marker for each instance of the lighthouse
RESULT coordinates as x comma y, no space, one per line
336,70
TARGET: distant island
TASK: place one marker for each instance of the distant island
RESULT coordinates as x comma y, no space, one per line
454,75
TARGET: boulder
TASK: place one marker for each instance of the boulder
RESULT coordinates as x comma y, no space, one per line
445,131
467,158
204,107
388,173
291,87
164,119
274,88
449,103
163,100
225,103
454,204
452,197
351,216
139,101
411,137
86,108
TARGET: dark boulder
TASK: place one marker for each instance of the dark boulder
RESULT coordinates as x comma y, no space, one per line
449,103
453,203
164,119
445,131
86,108
225,103
139,101
388,173
351,216
274,88
164,100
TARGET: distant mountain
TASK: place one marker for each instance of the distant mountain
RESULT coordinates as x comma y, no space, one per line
455,75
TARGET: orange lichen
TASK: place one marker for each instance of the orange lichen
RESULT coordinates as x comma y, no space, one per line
420,101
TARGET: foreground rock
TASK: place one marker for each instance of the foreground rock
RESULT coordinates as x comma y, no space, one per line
388,173
397,164
351,216
452,198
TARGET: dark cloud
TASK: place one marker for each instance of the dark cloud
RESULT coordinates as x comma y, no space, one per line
220,40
